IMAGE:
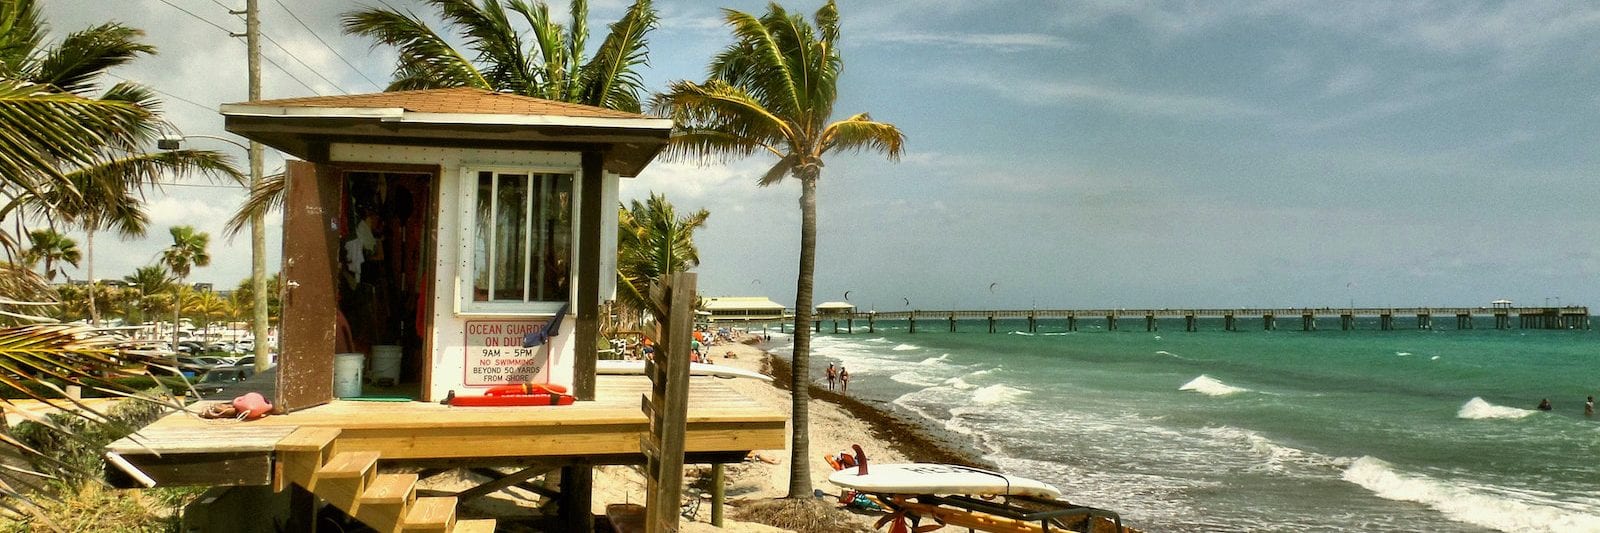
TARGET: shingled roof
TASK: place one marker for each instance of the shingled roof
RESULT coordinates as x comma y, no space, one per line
455,100
458,117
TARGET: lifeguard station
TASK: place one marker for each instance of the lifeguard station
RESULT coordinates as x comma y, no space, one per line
438,227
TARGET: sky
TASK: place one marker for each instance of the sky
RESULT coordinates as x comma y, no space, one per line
1071,154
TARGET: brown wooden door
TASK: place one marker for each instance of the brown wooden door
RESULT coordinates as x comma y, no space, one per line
310,293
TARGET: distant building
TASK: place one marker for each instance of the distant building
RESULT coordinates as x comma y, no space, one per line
832,309
743,309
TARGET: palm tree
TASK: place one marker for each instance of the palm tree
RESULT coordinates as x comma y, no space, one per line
553,66
653,242
188,250
772,91
52,248
101,194
146,283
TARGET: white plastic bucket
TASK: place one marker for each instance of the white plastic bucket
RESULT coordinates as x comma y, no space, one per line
386,364
347,374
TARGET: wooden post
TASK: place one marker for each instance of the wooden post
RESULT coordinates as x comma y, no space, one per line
667,407
1150,321
1072,322
716,494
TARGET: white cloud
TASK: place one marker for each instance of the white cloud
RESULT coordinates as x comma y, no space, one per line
1119,99
1005,42
1350,79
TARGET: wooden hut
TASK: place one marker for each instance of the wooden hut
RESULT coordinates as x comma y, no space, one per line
429,232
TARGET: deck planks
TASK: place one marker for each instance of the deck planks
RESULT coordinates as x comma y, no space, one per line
719,420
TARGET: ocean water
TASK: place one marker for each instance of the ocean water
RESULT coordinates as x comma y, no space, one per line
1286,430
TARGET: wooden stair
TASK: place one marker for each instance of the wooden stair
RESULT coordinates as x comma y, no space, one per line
310,457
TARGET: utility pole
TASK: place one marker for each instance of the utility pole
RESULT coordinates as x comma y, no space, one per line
258,235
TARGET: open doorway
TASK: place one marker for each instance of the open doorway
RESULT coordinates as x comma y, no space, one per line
386,247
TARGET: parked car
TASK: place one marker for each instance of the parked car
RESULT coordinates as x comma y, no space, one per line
247,345
218,378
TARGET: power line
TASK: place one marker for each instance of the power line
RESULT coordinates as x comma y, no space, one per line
325,44
180,98
303,63
197,17
291,76
231,34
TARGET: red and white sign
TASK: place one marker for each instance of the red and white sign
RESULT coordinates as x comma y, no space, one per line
495,355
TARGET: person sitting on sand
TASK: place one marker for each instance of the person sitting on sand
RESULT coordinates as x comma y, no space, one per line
844,380
1544,405
833,375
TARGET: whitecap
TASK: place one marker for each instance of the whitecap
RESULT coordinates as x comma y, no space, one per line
935,360
960,384
1402,354
1434,358
1478,409
1022,333
1210,386
997,394
904,347
1460,502
914,378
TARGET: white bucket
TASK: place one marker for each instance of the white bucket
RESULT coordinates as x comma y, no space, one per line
347,374
386,364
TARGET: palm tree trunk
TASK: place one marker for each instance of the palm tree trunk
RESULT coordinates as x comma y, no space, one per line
800,378
177,306
94,310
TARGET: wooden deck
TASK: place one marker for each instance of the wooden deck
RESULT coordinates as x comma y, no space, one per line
607,430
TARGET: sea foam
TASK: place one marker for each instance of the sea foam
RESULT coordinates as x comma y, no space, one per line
904,347
996,394
1211,386
1461,503
1478,409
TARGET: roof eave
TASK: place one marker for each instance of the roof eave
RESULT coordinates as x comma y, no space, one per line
400,115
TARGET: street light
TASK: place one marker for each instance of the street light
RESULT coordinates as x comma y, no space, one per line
258,247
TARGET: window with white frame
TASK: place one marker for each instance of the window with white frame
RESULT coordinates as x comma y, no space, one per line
521,244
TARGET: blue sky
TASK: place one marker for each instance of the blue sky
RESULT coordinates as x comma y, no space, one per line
1083,154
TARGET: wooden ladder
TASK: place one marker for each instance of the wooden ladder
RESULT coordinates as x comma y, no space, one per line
349,480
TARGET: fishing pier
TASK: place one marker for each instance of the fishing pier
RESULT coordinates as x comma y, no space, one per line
1567,317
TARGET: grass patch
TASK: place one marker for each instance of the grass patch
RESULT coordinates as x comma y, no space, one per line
799,515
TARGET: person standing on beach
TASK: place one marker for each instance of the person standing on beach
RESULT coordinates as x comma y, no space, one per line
832,376
844,380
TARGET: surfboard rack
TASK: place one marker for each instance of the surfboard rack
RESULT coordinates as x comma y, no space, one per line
1013,514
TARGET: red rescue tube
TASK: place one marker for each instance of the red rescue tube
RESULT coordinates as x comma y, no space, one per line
502,400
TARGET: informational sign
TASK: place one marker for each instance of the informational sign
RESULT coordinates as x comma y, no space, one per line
495,355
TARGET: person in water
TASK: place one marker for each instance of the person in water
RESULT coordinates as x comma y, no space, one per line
1588,407
1544,405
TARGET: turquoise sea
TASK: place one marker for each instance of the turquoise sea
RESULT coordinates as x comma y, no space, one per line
1405,430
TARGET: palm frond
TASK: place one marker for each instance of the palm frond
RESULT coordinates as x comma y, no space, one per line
424,56
550,48
489,32
859,133
611,79
264,198
743,123
42,131
21,35
81,57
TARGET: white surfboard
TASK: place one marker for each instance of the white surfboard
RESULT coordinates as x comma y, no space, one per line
933,478
636,368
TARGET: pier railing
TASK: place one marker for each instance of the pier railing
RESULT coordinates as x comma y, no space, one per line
1566,317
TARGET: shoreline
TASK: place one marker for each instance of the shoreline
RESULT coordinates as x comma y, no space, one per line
912,438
